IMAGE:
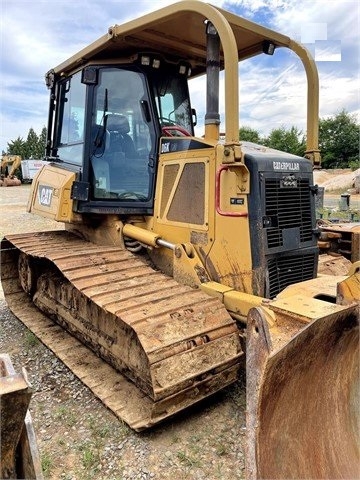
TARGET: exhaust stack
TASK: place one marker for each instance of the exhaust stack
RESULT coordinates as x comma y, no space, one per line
212,116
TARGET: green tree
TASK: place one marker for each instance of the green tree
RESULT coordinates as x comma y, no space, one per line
291,141
33,147
248,134
17,147
339,141
41,144
31,143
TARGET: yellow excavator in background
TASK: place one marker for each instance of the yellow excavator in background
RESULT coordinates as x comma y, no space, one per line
182,253
8,166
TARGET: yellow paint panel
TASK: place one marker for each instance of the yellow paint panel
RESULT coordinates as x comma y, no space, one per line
304,309
50,195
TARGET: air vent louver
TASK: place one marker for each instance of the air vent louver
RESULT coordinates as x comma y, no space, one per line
290,207
284,271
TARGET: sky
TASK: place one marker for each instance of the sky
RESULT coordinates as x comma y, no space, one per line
37,35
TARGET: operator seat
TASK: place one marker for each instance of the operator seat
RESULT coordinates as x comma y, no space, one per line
120,140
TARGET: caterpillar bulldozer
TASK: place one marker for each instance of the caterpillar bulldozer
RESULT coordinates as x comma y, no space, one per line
183,253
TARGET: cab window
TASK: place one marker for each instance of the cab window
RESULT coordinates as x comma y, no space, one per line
72,120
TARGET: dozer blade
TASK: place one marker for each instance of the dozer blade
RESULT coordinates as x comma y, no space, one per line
303,389
168,345
19,456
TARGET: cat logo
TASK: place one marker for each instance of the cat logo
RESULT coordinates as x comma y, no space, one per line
165,147
45,195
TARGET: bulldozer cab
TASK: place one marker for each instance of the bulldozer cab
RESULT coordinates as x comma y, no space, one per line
109,120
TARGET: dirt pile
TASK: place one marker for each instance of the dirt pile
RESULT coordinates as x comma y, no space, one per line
337,179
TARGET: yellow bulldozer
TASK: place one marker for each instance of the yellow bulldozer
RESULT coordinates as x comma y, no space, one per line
183,253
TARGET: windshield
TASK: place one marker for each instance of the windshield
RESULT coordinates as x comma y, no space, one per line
172,102
122,139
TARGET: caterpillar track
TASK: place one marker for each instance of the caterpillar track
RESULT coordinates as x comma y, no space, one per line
145,345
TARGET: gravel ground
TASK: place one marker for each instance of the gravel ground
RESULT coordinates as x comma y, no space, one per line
78,438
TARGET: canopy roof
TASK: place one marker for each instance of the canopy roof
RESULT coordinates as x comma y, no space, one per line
177,31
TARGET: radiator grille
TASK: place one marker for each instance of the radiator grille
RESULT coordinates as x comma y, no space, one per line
284,271
291,207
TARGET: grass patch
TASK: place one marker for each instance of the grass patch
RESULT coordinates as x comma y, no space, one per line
64,414
220,449
31,340
90,458
100,430
46,464
188,460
